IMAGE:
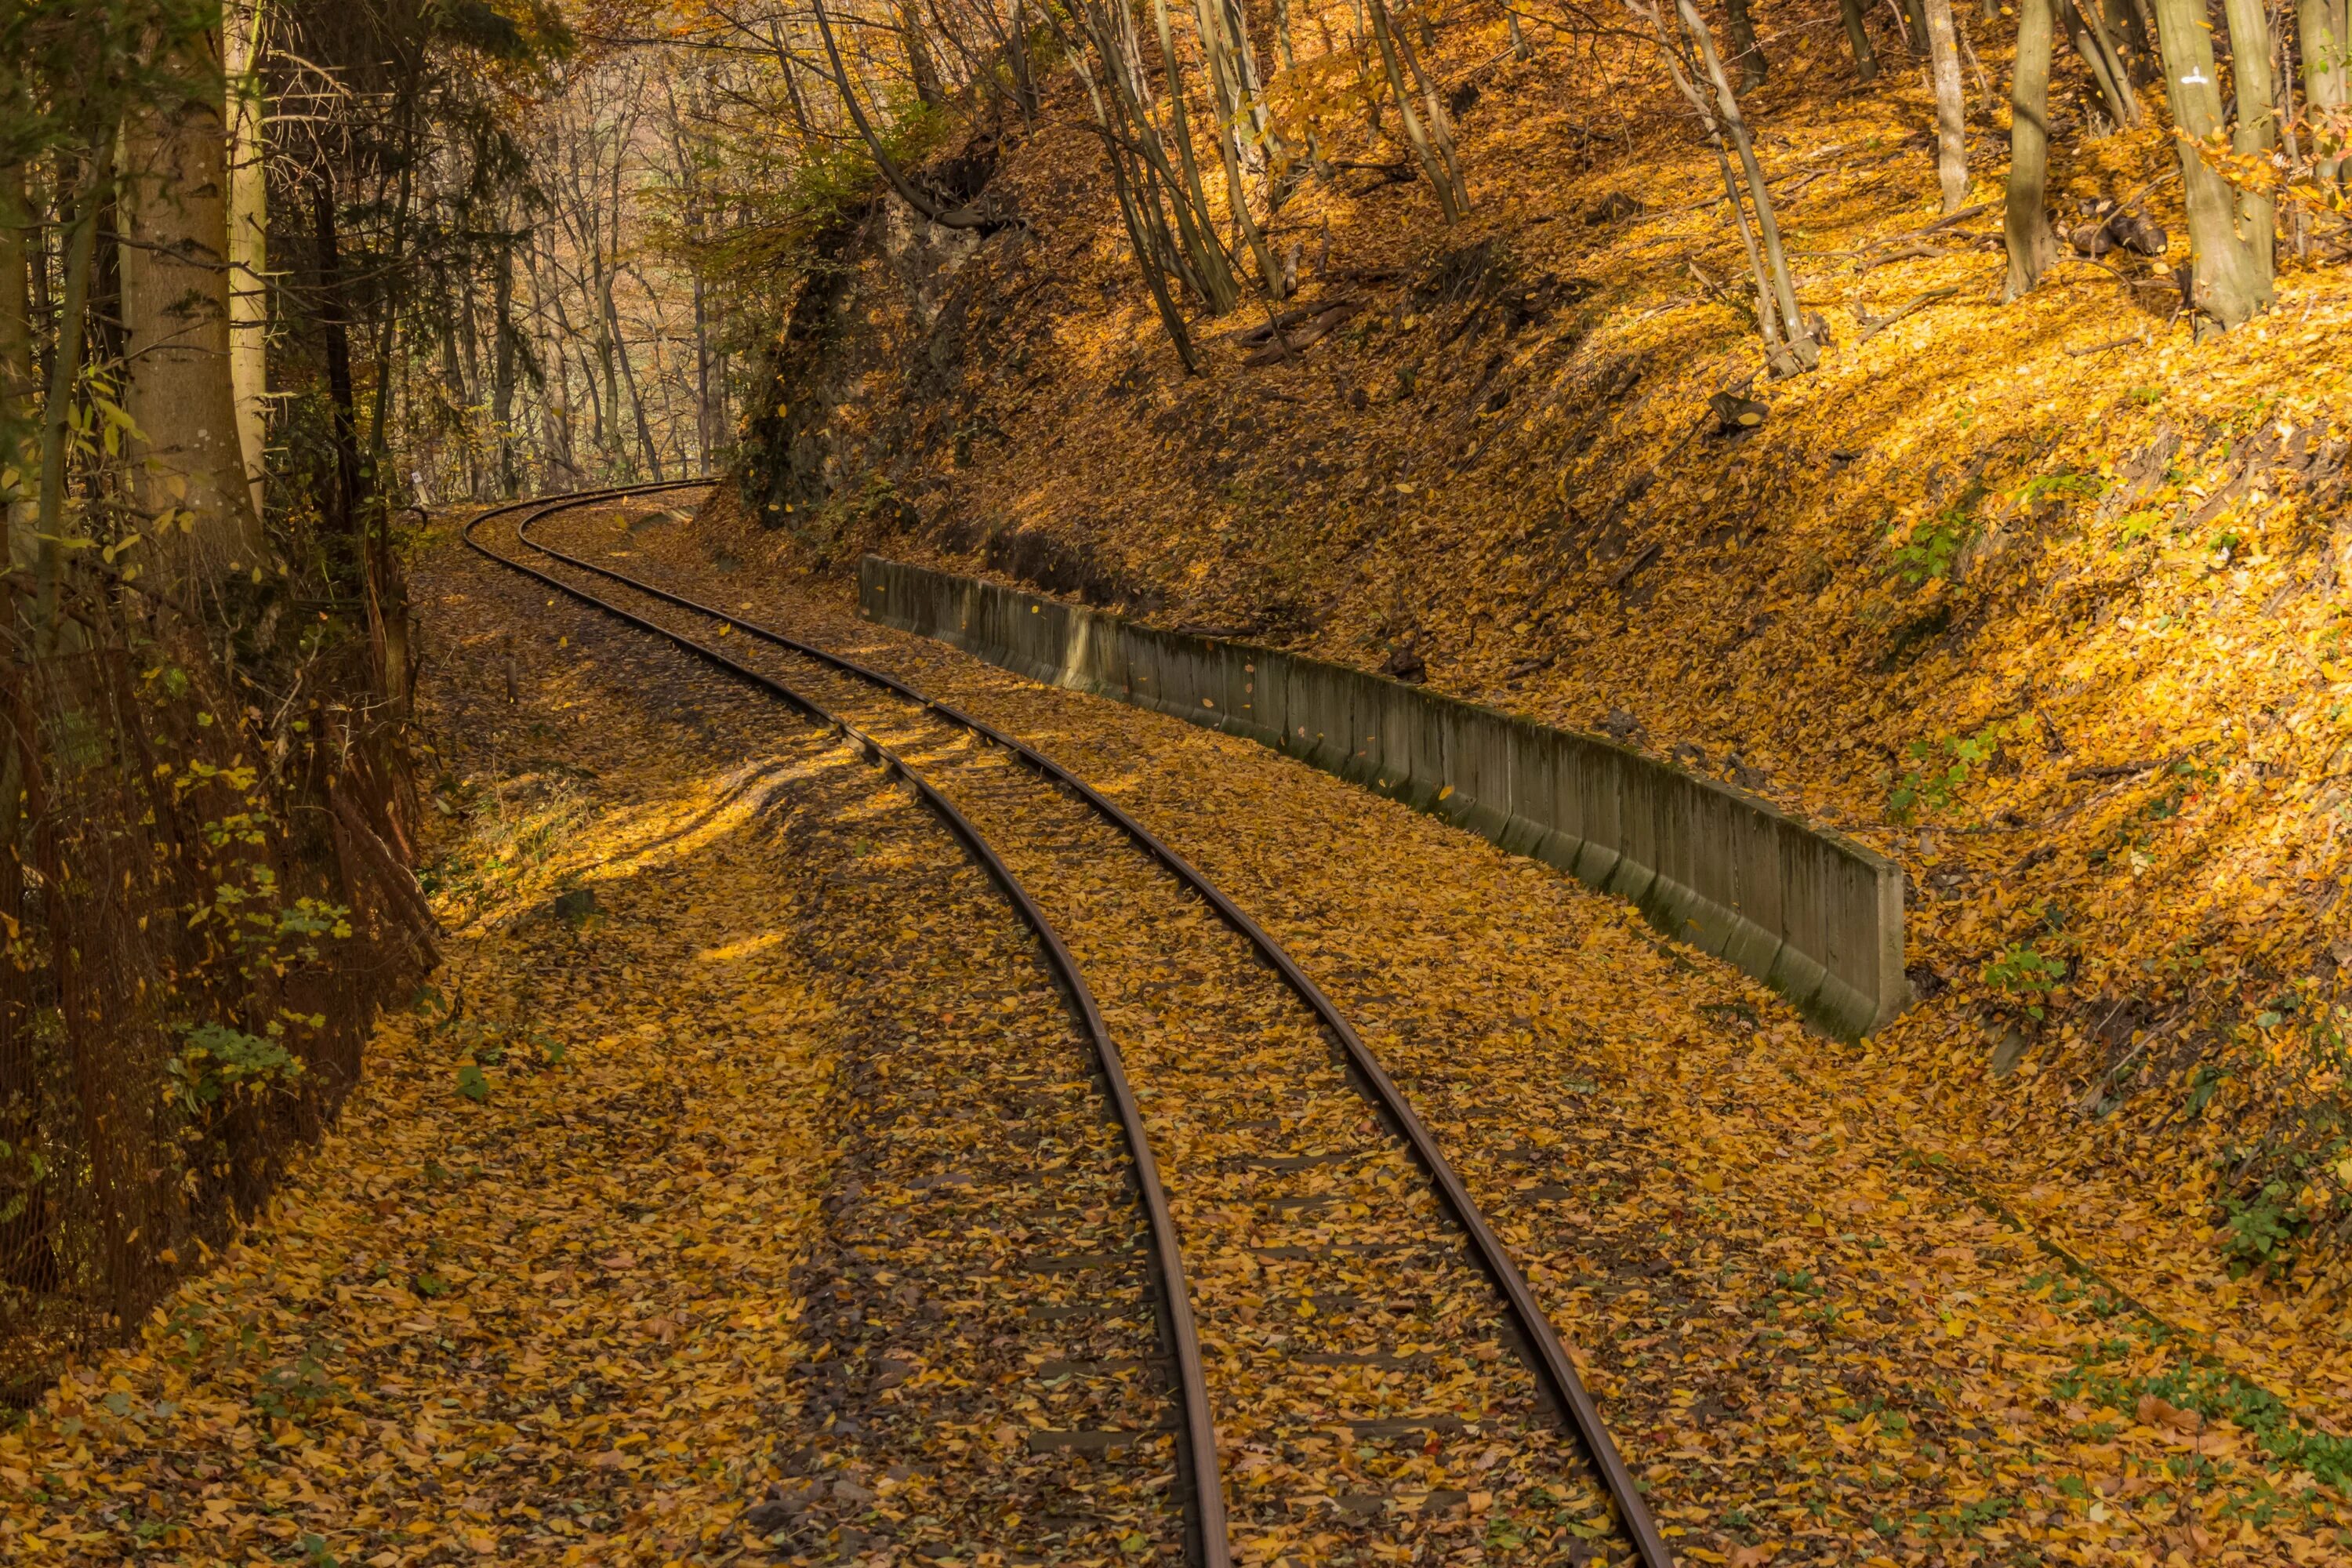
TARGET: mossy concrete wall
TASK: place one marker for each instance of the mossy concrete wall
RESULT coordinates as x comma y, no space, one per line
1815,916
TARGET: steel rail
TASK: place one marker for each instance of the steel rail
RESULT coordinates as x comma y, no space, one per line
1184,1345
1555,1366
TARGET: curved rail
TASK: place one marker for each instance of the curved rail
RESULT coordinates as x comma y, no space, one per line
1554,1365
1184,1345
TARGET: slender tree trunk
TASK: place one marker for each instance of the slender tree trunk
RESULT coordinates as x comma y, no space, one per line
1229,80
2256,133
1521,48
1152,249
81,226
629,376
920,69
2133,29
959,217
1745,52
708,431
555,382
248,242
1441,123
179,391
2106,66
1952,115
2031,246
2319,28
1221,291
1915,28
334,323
1016,49
1802,349
502,362
1440,178
2227,287
18,389
1857,40
1768,315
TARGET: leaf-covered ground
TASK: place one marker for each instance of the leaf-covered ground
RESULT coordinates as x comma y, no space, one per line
533,1299
717,1200
1809,1332
2046,600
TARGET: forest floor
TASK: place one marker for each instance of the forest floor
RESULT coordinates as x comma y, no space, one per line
2045,601
574,1278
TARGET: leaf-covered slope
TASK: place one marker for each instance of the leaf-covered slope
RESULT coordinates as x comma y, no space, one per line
2043,599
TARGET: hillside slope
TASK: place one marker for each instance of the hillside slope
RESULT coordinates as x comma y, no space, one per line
2044,600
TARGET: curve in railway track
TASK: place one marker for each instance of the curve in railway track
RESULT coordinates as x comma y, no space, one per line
1359,1309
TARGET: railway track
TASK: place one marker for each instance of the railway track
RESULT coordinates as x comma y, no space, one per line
1356,1365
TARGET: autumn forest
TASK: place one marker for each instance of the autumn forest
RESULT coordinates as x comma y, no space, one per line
1266,782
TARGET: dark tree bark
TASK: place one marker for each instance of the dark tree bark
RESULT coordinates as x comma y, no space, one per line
335,326
502,362
1745,52
1857,38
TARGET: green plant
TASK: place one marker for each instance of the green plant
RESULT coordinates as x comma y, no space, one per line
1927,548
2025,973
1939,767
2065,482
217,1061
2263,1228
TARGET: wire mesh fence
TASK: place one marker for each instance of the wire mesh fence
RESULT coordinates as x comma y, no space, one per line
210,899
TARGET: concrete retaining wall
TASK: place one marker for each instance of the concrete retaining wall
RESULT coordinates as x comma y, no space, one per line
1813,915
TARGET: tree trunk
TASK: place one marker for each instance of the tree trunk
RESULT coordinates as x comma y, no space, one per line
19,391
1229,81
1915,28
2256,133
1802,349
1016,48
1441,124
920,69
1415,136
2031,246
502,362
959,217
2227,286
2088,34
248,242
1768,315
174,217
343,506
707,429
1745,52
2320,30
80,226
629,376
1219,287
1951,121
1857,39
555,379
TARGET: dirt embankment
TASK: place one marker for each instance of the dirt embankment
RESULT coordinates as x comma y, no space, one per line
2044,599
